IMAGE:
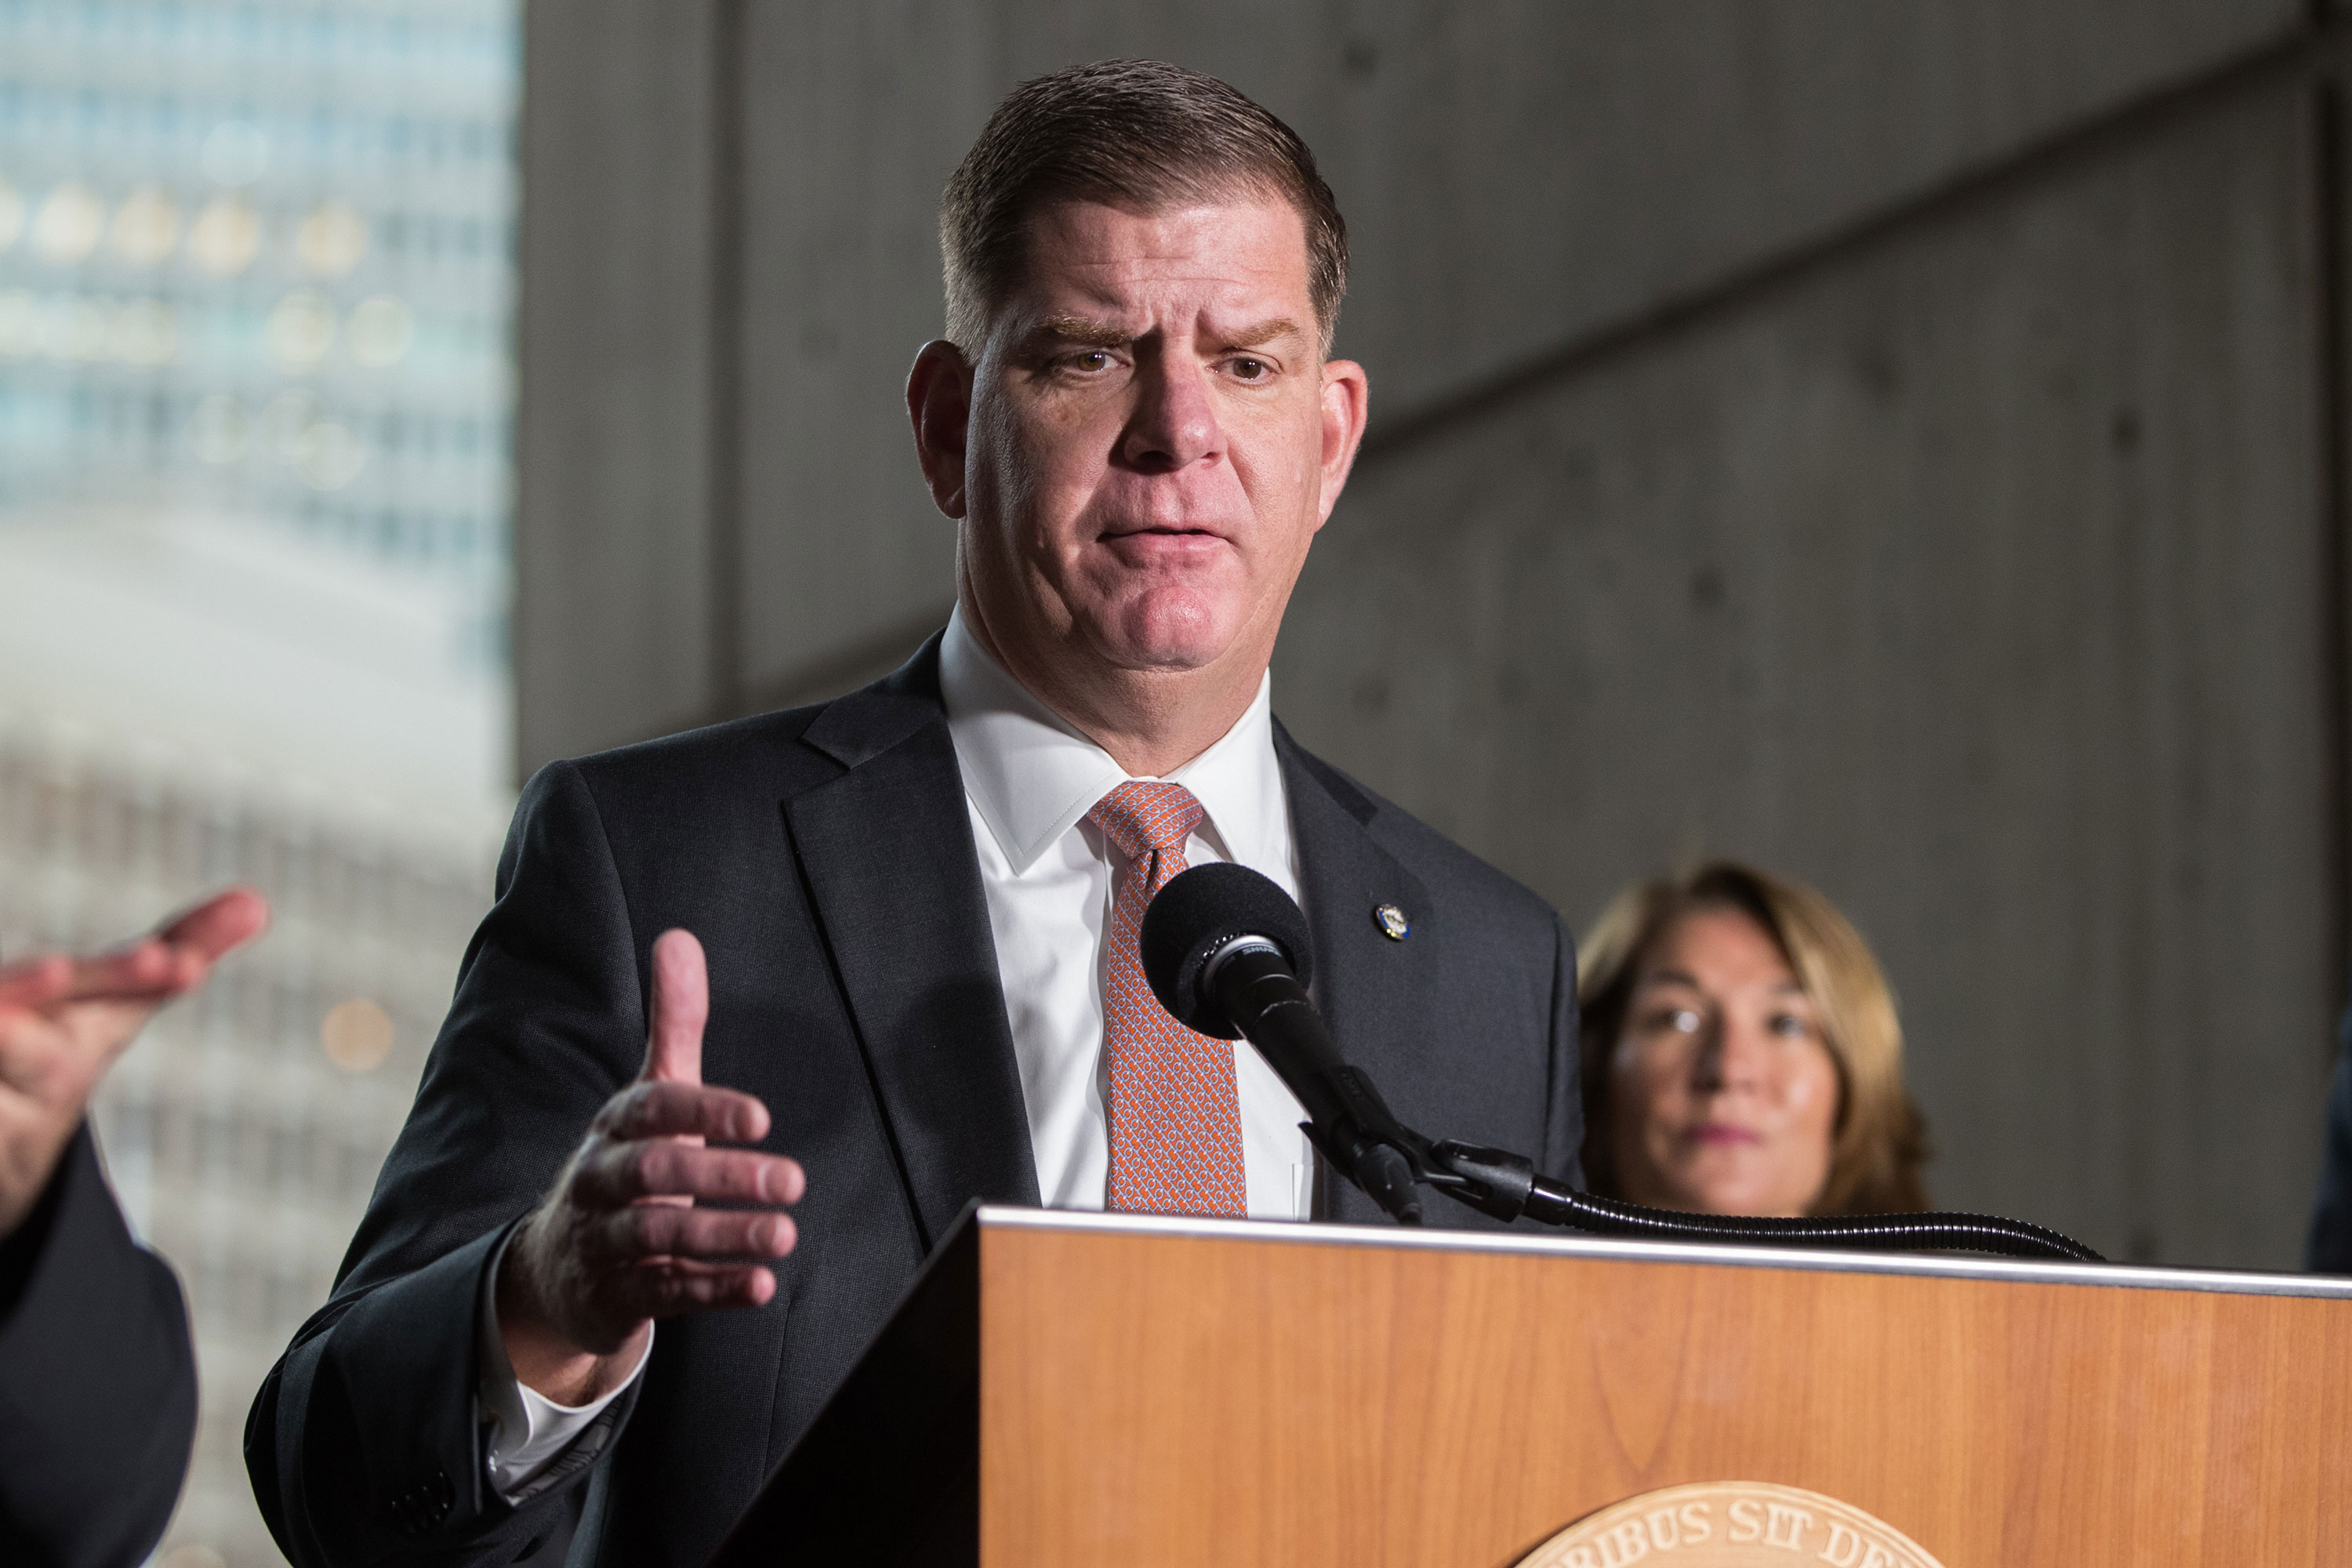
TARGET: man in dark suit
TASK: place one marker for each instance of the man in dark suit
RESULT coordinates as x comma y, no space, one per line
912,908
98,1380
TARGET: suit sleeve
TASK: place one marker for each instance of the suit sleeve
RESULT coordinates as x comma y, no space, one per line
98,1380
1563,1155
365,1444
2329,1249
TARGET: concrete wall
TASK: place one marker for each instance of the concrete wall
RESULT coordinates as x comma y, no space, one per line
1894,443
614,436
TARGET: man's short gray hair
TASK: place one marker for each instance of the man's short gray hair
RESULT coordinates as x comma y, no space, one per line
1136,134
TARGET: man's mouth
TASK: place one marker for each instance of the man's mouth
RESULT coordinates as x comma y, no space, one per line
1136,546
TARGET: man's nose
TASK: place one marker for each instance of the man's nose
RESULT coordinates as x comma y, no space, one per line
1174,422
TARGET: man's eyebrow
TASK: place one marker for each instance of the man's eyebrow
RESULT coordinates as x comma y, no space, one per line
1262,333
1079,330
1095,335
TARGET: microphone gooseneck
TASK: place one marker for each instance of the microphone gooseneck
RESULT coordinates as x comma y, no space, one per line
1506,1187
1226,952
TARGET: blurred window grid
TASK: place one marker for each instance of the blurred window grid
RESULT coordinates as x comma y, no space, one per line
257,272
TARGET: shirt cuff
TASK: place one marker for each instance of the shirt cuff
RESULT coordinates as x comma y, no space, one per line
528,1431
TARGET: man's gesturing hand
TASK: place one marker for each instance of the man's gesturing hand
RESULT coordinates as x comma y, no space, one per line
618,1241
63,1020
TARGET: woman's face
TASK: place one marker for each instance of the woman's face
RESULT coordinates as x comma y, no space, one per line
1723,1096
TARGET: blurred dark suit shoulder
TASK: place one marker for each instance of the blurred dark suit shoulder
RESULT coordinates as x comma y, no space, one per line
98,1380
2329,1249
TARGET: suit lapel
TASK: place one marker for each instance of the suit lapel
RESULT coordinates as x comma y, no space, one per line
1375,993
893,879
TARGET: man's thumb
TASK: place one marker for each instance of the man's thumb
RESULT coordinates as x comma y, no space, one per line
681,1005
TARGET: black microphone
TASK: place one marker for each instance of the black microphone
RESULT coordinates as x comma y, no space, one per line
1227,954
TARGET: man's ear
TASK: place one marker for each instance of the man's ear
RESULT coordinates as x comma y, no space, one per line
1347,403
938,402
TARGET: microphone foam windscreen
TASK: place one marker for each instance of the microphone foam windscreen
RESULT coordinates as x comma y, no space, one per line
1198,912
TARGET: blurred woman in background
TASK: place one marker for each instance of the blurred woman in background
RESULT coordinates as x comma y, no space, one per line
1741,1054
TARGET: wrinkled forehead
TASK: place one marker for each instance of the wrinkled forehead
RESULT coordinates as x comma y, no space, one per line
1223,261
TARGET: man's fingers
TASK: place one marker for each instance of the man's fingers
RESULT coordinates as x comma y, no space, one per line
57,1054
33,981
151,968
661,1168
683,1111
145,969
227,920
681,1006
672,1287
672,1231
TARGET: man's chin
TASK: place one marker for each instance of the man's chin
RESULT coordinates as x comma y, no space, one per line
1160,658
1170,639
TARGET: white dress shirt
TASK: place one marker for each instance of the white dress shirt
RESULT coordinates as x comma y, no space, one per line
1029,780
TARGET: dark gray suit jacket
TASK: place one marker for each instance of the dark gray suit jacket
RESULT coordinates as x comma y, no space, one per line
98,1380
2328,1249
825,859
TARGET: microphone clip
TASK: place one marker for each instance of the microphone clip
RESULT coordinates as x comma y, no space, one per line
1494,1182
1362,1139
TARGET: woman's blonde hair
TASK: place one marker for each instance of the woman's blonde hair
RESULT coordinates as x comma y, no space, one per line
1880,1140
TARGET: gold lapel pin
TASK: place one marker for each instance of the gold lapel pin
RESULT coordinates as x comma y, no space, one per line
1391,921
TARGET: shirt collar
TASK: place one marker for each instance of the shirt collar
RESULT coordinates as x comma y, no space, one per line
1033,776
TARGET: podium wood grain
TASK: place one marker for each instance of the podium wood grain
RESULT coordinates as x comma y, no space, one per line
1162,1398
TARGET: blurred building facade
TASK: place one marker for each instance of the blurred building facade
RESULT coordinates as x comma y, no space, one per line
255,275
1901,445
261,255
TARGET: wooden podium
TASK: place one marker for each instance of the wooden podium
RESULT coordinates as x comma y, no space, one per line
1062,1389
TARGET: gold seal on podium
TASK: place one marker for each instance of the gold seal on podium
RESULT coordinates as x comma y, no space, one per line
1729,1524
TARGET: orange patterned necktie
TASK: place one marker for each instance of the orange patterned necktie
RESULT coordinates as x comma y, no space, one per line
1175,1116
